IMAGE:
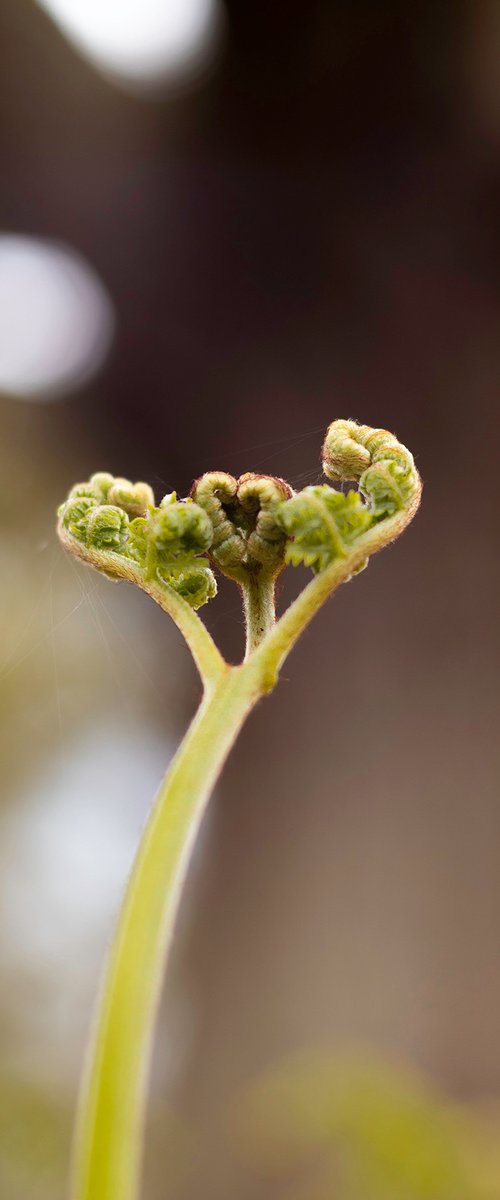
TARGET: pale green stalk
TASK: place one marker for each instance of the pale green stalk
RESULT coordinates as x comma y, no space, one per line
113,1097
207,657
258,606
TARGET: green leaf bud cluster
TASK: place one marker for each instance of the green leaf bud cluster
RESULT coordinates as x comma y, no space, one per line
324,523
119,519
248,527
247,538
170,543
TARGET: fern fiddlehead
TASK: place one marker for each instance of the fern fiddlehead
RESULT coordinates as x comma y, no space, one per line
248,542
166,544
162,550
246,536
384,467
335,533
325,524
248,528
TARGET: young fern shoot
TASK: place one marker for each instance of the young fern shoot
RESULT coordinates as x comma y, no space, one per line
248,529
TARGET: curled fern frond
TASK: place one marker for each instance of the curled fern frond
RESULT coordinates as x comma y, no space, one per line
325,524
178,533
247,537
384,467
180,527
251,526
116,523
259,497
216,493
195,583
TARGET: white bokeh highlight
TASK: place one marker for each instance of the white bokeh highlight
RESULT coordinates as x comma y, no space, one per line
143,43
56,319
67,845
66,849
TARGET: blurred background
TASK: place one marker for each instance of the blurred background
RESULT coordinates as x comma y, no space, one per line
222,225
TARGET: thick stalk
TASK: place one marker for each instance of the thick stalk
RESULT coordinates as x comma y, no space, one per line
258,605
112,1101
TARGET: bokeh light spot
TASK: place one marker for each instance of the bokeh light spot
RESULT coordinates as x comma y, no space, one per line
143,43
56,319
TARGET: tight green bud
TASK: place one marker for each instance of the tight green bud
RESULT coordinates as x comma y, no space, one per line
196,585
85,489
176,534
180,527
107,528
96,488
134,498
74,515
102,481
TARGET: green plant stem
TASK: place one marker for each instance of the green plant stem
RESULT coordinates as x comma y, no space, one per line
258,605
112,1101
207,657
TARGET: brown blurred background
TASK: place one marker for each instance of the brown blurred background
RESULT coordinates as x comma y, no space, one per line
301,225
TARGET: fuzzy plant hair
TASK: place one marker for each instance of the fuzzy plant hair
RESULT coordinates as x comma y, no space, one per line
248,529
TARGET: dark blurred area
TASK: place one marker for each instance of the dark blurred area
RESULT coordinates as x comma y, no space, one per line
202,263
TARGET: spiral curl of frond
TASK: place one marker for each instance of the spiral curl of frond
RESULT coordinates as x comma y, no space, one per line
251,526
325,524
134,498
166,544
180,528
107,527
384,468
179,533
247,538
216,493
74,514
